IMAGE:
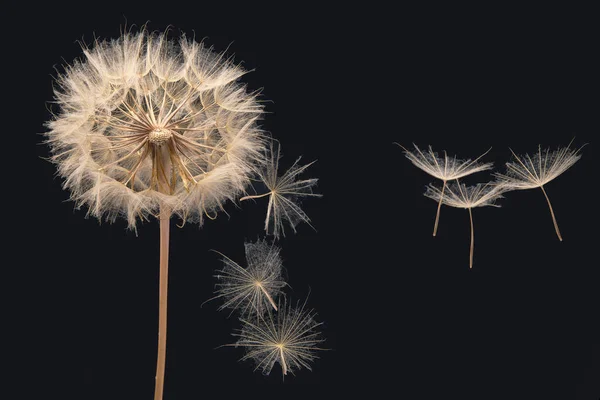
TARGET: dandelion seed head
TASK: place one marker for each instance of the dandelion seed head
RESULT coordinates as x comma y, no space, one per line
143,120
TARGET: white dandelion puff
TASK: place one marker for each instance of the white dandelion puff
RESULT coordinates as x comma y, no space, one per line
256,287
148,126
290,337
144,121
284,194
444,168
460,195
530,172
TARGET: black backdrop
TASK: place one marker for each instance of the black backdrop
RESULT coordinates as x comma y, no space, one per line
400,309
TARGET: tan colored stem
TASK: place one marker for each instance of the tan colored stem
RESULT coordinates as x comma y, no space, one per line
437,215
552,213
268,296
165,218
255,196
472,240
283,364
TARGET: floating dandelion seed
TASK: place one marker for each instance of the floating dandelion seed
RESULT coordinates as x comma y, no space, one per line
461,196
529,172
446,169
153,127
284,194
255,288
290,338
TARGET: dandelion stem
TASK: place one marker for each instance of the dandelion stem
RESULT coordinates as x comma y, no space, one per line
437,215
255,196
472,239
165,218
552,213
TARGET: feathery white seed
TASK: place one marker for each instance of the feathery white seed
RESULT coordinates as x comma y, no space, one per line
284,194
291,338
255,288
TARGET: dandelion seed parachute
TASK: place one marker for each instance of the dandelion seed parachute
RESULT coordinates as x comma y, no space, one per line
253,289
290,337
530,172
285,193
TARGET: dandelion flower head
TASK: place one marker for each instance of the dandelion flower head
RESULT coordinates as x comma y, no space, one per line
146,122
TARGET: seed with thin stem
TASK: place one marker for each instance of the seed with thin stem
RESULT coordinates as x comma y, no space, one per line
252,289
289,337
535,171
461,196
284,193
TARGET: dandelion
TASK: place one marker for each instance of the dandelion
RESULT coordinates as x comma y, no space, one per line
252,289
284,194
529,172
446,169
145,122
290,338
154,127
461,196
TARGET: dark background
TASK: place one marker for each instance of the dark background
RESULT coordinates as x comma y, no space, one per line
402,310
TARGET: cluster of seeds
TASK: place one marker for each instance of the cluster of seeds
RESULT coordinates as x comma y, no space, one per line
272,330
524,172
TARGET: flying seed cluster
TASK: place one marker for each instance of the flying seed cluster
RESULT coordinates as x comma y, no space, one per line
272,331
523,172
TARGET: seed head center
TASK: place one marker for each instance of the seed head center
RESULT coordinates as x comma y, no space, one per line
159,136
